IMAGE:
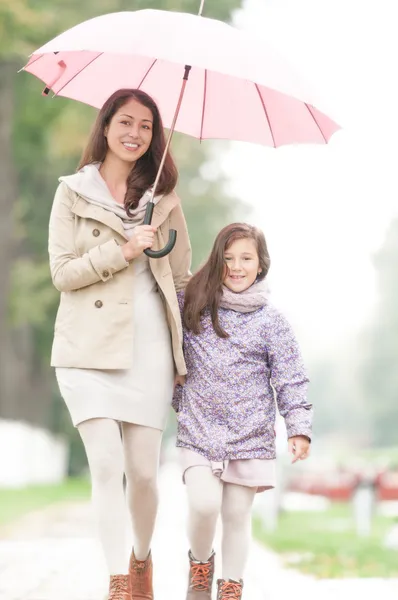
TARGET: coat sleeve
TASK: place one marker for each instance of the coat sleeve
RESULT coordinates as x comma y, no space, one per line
181,255
288,376
69,271
178,389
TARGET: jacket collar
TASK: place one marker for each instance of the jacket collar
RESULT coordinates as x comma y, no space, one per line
82,208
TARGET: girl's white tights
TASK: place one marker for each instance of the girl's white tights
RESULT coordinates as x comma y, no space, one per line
109,457
208,497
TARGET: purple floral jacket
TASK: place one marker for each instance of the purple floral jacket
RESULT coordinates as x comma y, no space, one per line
227,407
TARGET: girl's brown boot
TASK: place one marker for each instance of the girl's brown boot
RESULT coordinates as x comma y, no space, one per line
228,589
200,578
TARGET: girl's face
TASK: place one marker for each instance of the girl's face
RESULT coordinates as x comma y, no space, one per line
129,134
242,265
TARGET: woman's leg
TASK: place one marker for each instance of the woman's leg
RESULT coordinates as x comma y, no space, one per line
141,450
103,445
236,511
204,501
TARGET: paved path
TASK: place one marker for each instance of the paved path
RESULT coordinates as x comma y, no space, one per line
54,556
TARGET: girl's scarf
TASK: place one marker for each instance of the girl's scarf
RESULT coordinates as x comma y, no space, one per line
249,300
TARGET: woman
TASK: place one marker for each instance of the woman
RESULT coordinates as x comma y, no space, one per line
118,340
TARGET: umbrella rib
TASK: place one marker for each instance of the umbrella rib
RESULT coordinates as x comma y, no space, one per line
147,73
266,113
315,121
78,73
204,105
31,63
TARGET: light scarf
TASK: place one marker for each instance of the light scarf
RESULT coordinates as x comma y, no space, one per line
249,300
90,184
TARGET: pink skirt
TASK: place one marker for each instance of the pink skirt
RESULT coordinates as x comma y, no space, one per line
253,472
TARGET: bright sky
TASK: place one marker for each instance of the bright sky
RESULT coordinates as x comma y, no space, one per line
325,209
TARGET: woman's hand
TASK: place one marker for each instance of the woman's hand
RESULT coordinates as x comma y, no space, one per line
179,380
299,446
142,238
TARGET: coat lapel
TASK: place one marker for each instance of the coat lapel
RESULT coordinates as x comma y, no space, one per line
163,208
86,210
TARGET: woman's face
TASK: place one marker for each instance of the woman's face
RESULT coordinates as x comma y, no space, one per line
129,134
242,265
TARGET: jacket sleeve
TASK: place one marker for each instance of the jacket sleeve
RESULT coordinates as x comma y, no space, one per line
69,271
288,376
181,255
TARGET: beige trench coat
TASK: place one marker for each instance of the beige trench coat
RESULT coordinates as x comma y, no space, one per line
93,328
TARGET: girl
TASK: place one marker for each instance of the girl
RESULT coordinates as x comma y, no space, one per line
240,354
117,342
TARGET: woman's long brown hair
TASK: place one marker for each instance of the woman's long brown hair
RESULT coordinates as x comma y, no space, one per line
143,174
204,290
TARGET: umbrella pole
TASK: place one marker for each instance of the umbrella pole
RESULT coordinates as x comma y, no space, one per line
150,206
171,131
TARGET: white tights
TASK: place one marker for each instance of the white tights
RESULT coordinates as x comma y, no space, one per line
109,457
207,498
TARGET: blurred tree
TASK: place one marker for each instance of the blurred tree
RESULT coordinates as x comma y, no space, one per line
39,140
379,373
8,195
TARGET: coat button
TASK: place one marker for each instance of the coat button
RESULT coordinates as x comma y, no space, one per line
105,274
98,303
96,232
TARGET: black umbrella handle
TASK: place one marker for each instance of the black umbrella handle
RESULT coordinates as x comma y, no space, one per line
172,236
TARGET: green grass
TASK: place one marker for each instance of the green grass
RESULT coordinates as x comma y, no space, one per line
17,503
325,544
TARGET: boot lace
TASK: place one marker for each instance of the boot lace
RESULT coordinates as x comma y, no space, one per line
200,576
118,588
230,590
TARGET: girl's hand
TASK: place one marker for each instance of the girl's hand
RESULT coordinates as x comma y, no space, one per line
142,238
179,380
299,446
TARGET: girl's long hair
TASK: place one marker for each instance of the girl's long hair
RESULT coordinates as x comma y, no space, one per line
204,290
143,173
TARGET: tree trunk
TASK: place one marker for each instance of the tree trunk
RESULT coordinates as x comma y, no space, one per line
8,196
25,390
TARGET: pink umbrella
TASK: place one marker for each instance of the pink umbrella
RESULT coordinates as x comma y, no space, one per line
238,88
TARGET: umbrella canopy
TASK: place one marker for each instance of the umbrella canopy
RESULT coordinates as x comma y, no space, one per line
238,88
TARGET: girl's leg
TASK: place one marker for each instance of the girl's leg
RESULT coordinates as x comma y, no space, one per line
103,445
141,450
204,500
236,510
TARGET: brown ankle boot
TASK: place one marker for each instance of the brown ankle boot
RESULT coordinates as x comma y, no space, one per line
141,573
200,578
119,588
228,589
